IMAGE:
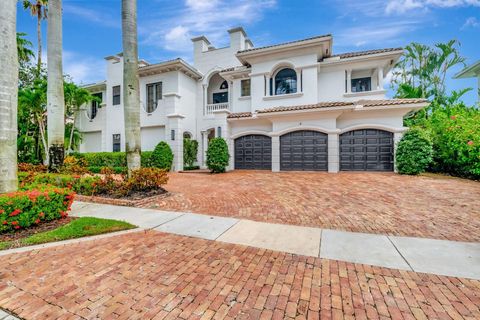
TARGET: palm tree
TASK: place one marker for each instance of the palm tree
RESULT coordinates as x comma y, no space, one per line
23,48
75,98
131,96
37,9
55,96
8,92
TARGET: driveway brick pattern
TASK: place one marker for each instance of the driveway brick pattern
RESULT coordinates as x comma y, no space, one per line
382,203
152,275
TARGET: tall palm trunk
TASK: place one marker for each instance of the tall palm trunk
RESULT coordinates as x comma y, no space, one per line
39,39
8,96
55,99
131,96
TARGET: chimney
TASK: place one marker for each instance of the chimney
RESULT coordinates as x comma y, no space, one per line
237,38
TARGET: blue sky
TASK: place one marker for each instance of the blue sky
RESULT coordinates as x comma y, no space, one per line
92,29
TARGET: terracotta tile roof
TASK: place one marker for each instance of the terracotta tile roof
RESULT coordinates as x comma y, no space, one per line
240,115
389,102
308,106
363,53
285,43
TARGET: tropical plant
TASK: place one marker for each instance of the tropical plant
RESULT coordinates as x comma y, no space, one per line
8,94
75,98
162,156
131,94
190,150
217,155
23,49
414,152
37,9
55,94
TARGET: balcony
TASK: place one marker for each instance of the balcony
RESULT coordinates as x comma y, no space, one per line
210,109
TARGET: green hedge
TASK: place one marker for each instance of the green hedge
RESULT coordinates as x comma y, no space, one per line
414,152
80,184
115,160
24,209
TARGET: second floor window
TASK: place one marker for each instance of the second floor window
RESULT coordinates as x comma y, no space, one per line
245,86
362,84
286,81
220,97
95,105
116,95
154,93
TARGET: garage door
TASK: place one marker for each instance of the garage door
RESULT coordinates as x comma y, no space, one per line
366,150
304,150
253,152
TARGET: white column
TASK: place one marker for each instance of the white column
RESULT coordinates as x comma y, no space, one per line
275,154
267,85
299,80
175,130
397,136
349,81
204,148
333,153
380,78
231,151
205,98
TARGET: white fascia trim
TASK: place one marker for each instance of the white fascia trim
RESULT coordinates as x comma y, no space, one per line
172,94
249,132
373,126
301,128
289,112
390,107
283,96
175,115
365,93
364,57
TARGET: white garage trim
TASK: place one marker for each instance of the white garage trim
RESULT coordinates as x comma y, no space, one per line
303,128
250,132
373,126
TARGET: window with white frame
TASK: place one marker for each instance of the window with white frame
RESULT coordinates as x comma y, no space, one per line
362,84
116,142
245,87
95,104
285,81
116,95
154,93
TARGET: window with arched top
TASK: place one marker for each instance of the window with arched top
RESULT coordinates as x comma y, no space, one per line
285,81
224,85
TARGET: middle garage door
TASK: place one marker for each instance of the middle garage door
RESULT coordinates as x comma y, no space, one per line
304,150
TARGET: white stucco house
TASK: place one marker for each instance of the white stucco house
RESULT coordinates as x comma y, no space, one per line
471,71
290,106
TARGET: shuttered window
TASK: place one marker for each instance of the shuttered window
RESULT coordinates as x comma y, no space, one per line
154,93
116,95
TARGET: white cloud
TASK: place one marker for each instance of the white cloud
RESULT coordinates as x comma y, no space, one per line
83,69
403,6
202,17
471,22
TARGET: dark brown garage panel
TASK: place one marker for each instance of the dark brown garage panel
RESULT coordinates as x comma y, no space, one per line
366,150
253,152
304,150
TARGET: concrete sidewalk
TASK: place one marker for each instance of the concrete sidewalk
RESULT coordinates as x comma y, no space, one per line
450,258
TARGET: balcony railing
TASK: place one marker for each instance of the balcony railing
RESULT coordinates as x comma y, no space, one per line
211,108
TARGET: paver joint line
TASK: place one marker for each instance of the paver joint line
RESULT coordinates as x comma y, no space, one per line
401,255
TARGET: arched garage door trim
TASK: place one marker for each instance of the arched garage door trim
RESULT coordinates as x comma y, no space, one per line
254,152
366,149
304,150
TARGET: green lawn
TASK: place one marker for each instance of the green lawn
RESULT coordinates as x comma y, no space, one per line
81,227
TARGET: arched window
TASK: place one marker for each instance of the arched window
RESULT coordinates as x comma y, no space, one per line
286,81
187,135
224,85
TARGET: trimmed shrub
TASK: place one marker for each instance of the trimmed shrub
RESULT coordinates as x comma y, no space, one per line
146,159
85,185
117,170
144,180
190,149
103,159
72,165
217,155
414,152
162,156
22,209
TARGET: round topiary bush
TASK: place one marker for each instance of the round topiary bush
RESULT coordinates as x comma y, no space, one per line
414,152
217,155
162,156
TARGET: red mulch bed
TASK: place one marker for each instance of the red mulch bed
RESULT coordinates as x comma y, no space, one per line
129,201
24,233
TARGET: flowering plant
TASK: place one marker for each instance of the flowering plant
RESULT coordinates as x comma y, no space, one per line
22,209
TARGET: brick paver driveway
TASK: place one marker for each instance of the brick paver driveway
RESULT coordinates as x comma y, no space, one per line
384,203
148,275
